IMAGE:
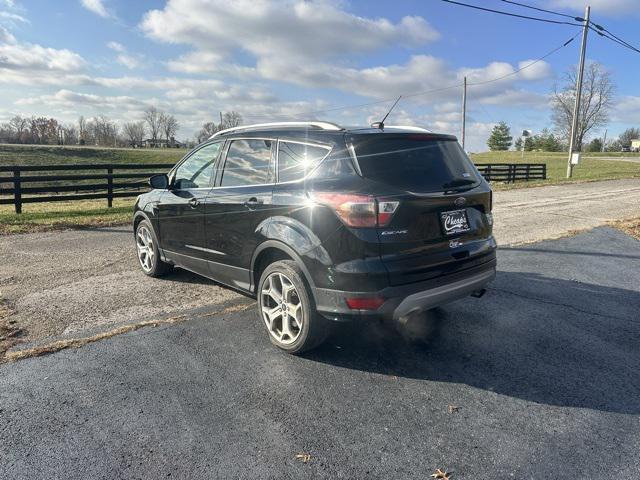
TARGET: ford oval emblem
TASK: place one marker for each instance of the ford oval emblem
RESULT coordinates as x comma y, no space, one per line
460,201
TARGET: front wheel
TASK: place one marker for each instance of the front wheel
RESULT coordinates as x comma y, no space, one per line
147,250
287,309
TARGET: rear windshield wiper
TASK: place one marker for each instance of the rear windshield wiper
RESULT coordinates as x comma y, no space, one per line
459,182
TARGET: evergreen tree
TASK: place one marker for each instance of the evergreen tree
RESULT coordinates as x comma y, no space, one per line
595,145
500,138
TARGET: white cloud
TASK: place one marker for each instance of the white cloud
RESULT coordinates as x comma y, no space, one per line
305,30
97,7
116,47
627,110
12,17
6,36
124,58
129,61
32,57
68,98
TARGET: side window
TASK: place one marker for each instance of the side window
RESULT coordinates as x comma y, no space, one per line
296,159
197,170
248,163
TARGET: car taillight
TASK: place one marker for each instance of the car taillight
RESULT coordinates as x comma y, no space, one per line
358,210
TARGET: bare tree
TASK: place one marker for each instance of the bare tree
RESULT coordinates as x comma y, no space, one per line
104,131
231,119
82,130
595,104
170,127
69,134
153,118
206,131
134,132
19,126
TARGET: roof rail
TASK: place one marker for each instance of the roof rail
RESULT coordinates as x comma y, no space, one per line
409,127
320,125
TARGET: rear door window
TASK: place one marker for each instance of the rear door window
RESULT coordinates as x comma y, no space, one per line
295,160
249,162
415,163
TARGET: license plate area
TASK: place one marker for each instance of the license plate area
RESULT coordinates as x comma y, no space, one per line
454,221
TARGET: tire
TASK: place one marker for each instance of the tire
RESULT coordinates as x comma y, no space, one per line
292,328
147,251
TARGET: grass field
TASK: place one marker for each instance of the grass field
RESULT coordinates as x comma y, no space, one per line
94,213
39,217
50,154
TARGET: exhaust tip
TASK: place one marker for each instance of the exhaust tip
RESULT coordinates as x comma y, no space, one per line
479,293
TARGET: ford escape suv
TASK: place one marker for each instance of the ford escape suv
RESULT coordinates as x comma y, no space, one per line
322,223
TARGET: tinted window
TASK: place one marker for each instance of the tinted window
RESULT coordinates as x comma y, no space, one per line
415,163
248,163
197,170
295,160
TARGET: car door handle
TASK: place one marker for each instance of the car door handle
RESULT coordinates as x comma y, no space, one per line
252,202
194,202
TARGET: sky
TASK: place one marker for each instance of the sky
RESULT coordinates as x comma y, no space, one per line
302,60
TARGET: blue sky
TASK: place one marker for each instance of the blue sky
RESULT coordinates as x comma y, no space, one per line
281,60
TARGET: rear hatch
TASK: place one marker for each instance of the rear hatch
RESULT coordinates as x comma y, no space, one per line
435,200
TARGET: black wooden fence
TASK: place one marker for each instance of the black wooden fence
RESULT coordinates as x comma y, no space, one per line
17,188
28,183
511,172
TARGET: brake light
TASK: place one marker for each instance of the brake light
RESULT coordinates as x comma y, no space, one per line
358,210
371,303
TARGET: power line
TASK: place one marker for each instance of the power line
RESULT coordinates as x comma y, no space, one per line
529,64
599,29
577,19
501,12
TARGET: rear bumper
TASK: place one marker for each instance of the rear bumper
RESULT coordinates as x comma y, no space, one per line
404,300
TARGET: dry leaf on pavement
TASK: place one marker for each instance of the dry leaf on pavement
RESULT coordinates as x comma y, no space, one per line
440,474
305,457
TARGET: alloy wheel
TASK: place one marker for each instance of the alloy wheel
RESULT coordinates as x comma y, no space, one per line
144,243
281,308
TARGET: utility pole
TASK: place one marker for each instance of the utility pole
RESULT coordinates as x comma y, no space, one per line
604,141
464,111
576,108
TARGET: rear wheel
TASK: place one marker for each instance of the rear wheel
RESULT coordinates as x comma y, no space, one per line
287,309
147,250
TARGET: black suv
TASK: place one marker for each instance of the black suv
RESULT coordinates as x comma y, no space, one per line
323,223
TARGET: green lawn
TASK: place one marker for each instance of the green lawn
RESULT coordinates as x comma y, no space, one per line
52,154
38,217
591,167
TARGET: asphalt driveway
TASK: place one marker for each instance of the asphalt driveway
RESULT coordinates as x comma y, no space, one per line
544,370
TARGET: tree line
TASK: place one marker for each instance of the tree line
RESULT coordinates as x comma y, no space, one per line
596,103
99,130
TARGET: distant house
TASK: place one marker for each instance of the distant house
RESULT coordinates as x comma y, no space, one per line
635,145
161,143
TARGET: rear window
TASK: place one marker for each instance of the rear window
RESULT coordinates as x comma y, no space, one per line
415,163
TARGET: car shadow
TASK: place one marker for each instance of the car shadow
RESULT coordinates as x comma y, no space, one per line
540,339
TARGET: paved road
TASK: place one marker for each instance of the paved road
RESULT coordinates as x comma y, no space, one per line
533,214
68,282
544,370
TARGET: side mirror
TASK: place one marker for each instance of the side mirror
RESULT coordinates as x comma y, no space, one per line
160,182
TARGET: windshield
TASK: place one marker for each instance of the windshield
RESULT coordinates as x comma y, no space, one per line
414,163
